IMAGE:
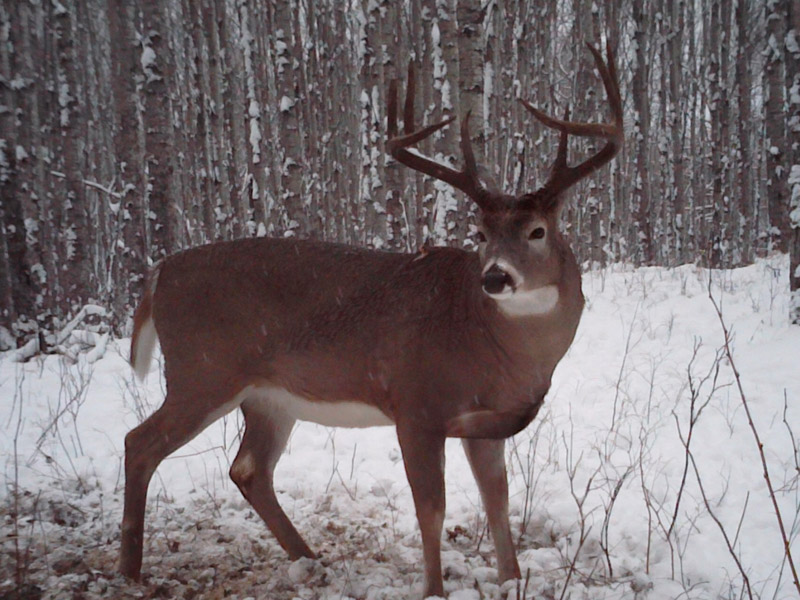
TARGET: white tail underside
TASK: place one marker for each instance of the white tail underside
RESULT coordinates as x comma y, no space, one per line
143,353
148,336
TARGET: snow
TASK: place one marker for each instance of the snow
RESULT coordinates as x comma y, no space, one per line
488,93
148,57
255,140
435,34
280,46
792,45
794,203
441,82
254,111
64,99
286,104
604,457
59,9
20,83
445,204
446,100
774,47
794,99
148,62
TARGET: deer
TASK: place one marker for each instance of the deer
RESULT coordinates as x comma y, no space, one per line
442,343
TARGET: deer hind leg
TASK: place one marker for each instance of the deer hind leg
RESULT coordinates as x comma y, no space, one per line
487,459
178,420
423,456
265,436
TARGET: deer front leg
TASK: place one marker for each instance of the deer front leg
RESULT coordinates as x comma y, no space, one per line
487,459
423,455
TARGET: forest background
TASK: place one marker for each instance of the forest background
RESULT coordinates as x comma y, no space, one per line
130,130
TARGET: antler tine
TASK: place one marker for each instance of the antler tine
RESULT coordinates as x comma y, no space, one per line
561,155
562,176
608,73
467,180
590,129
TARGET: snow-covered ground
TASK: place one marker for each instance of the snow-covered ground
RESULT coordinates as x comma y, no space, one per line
605,499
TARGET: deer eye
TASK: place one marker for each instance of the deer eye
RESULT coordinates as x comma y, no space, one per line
537,234
481,237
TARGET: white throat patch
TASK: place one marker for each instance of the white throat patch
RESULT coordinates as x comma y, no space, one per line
525,303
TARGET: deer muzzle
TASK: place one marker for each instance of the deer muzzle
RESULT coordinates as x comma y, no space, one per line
495,280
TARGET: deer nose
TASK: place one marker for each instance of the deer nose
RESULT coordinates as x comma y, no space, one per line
495,280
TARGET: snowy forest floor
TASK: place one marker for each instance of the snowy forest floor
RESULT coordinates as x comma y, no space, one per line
639,467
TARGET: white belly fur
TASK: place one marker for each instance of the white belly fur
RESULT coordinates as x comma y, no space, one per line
331,414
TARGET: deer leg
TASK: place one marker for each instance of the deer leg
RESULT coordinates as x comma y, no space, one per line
166,430
487,459
423,455
265,436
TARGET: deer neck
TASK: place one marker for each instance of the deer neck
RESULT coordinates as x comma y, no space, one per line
536,340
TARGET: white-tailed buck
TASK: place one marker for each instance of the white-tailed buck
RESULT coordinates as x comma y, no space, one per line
443,343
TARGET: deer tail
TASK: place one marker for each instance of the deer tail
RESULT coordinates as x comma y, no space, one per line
144,337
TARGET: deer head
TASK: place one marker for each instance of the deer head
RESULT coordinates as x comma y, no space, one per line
521,248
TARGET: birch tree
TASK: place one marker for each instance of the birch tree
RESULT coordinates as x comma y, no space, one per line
470,20
157,73
286,55
793,129
774,84
22,284
448,205
128,261
372,190
744,227
642,233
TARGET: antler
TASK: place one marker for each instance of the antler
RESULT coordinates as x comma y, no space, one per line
466,180
563,176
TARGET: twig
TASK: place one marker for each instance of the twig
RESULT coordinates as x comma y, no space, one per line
572,470
649,506
741,519
795,454
759,444
523,593
731,549
694,416
21,571
605,545
89,183
625,355
529,473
